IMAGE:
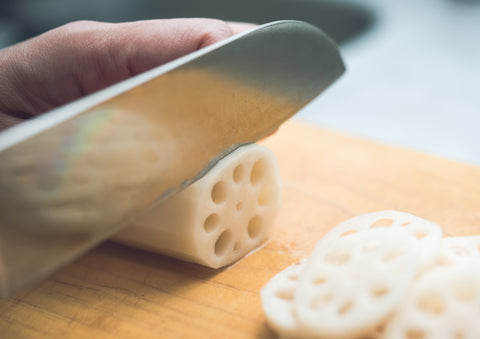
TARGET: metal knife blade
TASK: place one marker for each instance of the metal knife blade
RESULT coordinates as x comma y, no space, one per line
72,177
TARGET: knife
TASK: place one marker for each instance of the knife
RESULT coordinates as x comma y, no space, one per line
72,177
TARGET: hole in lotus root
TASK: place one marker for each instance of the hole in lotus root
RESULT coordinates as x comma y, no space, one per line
285,294
371,246
379,291
258,171
349,232
264,197
239,206
223,243
337,257
420,235
464,290
48,183
405,224
80,178
219,192
321,300
460,251
382,223
345,308
23,169
292,276
254,227
445,262
415,334
236,246
431,303
458,335
319,280
238,173
212,222
393,254
378,331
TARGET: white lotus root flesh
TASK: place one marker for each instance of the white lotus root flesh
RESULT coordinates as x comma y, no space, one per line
218,219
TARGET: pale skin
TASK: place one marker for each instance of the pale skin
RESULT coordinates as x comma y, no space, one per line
82,57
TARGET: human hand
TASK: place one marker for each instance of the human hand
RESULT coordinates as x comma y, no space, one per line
82,57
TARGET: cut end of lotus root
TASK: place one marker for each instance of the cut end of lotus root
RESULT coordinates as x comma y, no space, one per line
443,303
428,233
277,302
218,219
349,286
362,271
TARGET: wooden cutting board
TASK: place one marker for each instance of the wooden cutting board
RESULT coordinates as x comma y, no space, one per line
118,292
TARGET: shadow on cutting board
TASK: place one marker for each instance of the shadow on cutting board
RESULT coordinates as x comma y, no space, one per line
115,266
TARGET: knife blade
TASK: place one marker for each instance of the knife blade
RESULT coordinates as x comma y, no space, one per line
73,176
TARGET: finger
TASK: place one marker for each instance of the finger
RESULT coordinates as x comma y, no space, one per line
146,44
8,121
82,57
239,27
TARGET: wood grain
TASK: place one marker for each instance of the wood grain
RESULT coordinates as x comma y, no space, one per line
118,292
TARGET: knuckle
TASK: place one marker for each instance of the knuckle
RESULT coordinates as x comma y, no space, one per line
214,30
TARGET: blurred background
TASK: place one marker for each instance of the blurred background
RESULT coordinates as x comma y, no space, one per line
413,66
